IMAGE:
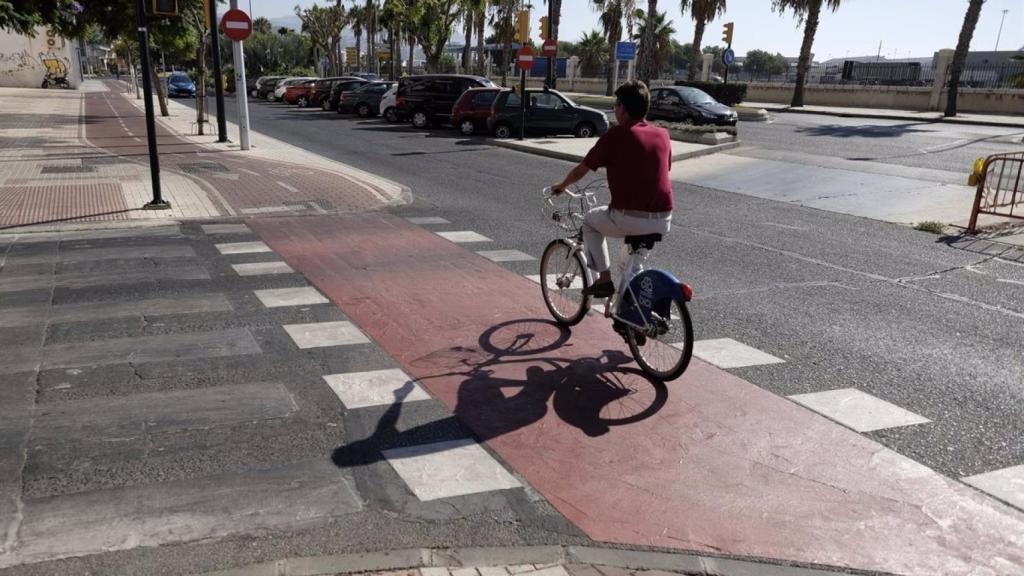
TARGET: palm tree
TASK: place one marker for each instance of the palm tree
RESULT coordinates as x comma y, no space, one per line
356,19
501,20
660,41
703,12
611,14
370,19
481,22
807,12
645,67
960,55
263,25
592,50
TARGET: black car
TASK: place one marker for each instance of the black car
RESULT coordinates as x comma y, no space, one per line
689,106
265,85
429,99
547,112
365,100
339,86
318,96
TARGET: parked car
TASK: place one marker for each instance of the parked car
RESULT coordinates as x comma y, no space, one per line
473,108
180,85
339,88
265,85
547,112
689,106
298,93
365,100
367,76
322,89
282,86
387,104
429,99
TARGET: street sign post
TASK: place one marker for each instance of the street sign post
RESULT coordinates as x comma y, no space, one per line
623,51
158,202
238,26
728,56
524,60
218,79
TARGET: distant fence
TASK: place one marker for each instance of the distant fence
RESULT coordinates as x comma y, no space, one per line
1007,75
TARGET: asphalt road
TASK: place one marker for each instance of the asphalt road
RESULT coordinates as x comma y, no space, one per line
847,302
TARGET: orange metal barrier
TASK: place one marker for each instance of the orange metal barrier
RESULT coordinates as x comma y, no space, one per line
1000,188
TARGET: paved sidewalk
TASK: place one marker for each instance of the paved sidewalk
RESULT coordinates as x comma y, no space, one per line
82,156
886,114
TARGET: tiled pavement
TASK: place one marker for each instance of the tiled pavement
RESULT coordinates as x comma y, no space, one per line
70,156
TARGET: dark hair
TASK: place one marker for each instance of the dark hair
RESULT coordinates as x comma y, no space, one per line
635,98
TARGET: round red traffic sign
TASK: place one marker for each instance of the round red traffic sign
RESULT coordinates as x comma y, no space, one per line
524,58
550,47
236,25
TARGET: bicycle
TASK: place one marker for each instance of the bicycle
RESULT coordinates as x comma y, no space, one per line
649,307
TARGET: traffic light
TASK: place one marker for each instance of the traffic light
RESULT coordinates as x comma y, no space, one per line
523,27
164,8
727,33
545,28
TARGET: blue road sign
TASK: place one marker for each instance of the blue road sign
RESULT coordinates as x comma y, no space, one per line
625,51
728,57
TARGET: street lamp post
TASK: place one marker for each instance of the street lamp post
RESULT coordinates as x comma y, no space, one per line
158,203
1003,19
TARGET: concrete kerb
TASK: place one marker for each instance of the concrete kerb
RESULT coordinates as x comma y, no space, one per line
782,108
415,558
515,145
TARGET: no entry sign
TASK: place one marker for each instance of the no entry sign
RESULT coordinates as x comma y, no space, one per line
524,58
236,25
550,48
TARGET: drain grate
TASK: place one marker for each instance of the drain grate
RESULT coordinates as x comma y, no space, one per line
201,167
66,169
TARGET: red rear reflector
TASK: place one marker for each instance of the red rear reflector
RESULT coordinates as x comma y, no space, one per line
687,291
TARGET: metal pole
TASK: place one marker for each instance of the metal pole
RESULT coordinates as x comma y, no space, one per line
551,59
218,80
241,92
1000,34
158,202
522,104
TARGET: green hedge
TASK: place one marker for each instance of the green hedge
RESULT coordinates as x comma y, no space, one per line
729,94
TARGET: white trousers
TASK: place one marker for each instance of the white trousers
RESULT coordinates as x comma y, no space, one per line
604,222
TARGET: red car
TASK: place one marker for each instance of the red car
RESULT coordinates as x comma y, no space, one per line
471,110
299,93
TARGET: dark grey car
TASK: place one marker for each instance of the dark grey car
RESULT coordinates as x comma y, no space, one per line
689,106
365,100
547,112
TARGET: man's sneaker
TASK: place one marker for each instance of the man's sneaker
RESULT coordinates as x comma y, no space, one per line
600,290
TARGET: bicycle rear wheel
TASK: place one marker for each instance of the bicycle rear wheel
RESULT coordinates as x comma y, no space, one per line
663,351
562,279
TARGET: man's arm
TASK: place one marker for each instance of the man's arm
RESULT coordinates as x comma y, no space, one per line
574,176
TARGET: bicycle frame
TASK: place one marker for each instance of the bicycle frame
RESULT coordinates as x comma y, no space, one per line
631,264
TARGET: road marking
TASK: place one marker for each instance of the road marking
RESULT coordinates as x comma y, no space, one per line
321,334
427,220
505,255
288,187
786,226
375,388
225,229
577,282
447,469
463,236
1008,281
943,147
267,209
728,353
242,247
301,296
1006,484
250,172
858,410
259,268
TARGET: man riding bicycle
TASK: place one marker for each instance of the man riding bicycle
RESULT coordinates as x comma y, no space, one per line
637,157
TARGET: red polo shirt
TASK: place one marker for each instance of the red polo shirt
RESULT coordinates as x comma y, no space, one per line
638,157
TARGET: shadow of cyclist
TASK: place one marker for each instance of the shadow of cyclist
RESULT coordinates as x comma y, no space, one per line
506,385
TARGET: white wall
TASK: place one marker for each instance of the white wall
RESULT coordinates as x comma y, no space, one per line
21,58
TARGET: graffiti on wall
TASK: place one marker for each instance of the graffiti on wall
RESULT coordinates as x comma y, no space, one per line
49,61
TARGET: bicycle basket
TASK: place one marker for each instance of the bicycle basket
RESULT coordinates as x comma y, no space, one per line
567,210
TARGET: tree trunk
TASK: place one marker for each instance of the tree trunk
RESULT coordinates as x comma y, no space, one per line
200,85
960,55
613,40
480,23
371,36
695,55
161,97
412,53
467,52
506,54
810,28
359,46
647,56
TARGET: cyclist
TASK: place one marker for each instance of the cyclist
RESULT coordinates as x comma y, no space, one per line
637,157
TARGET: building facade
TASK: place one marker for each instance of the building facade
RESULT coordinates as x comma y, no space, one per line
26,61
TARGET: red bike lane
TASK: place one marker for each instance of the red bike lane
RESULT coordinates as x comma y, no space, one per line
709,463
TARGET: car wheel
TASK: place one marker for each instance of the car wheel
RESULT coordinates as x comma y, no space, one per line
420,119
363,110
302,102
585,130
467,127
503,130
391,115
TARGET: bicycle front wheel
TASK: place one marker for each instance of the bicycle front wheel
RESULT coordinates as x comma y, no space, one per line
562,280
663,350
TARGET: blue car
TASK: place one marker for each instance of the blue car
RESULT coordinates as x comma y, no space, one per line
180,85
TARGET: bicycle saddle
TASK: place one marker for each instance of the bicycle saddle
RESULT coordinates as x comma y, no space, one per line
646,241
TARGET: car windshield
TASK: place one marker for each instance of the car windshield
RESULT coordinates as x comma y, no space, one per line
695,96
179,79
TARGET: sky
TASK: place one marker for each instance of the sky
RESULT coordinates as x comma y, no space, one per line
905,28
